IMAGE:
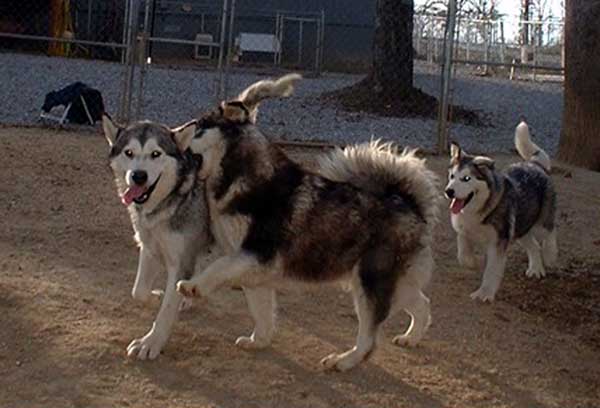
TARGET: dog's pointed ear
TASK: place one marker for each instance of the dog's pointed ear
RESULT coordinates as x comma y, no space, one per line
455,151
252,96
111,129
235,111
184,134
484,161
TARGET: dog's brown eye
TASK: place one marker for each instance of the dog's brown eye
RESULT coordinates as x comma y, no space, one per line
451,176
129,153
466,178
155,154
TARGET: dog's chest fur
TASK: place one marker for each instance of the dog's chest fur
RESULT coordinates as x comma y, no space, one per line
228,230
471,225
158,238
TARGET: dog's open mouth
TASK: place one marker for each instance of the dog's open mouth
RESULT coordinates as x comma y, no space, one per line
457,204
138,194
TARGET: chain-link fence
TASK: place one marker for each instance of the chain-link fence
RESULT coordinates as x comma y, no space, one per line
505,69
86,40
169,60
497,45
192,54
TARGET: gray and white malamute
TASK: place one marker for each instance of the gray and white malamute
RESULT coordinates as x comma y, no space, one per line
157,179
365,217
494,208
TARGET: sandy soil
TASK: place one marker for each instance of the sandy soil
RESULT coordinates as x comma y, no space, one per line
67,264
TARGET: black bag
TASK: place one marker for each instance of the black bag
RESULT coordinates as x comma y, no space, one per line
83,104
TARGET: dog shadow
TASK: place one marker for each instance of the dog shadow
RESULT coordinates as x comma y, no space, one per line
280,366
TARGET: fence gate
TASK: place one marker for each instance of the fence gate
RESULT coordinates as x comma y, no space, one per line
301,39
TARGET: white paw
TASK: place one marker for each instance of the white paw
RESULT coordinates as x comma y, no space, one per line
187,288
249,343
186,303
535,272
147,347
341,362
484,294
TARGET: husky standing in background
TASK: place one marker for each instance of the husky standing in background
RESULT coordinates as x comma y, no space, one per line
495,208
365,218
157,179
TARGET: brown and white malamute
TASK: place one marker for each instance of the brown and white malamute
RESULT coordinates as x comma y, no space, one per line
365,217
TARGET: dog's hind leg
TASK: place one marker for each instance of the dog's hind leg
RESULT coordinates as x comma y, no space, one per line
416,304
367,333
549,246
534,255
261,302
412,300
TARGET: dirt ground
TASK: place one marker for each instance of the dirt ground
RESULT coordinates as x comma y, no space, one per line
67,264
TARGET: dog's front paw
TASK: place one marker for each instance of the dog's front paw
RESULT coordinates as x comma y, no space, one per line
186,303
484,293
188,288
537,271
147,347
250,343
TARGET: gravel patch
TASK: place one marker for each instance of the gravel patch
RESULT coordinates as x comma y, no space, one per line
175,96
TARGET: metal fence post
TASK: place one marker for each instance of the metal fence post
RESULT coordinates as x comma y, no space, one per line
220,86
125,110
229,56
144,44
125,31
442,131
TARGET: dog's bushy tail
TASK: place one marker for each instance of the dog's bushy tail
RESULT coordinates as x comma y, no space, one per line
261,90
380,168
529,150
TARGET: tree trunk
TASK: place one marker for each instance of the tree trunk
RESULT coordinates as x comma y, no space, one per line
388,88
392,71
580,136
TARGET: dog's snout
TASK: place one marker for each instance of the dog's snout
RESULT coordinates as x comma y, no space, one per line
450,193
139,177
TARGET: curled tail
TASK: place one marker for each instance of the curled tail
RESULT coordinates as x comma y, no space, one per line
378,166
529,150
252,96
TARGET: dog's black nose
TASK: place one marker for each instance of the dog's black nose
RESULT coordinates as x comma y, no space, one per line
139,177
450,193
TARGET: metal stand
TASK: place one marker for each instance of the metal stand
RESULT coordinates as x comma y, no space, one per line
442,131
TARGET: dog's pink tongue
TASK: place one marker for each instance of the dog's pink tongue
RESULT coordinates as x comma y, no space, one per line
456,205
132,193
